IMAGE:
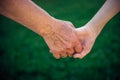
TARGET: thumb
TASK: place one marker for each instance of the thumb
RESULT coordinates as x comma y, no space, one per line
82,54
79,55
56,55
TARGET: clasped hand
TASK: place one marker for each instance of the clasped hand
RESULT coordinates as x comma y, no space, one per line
64,40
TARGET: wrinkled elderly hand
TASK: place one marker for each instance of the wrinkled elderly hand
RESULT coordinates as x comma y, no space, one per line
62,39
87,38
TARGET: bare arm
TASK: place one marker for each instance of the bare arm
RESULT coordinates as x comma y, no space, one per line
59,35
107,11
26,13
88,33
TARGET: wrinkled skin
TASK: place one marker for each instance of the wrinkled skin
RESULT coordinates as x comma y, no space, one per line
62,39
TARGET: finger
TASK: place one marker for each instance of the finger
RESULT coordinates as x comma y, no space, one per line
78,48
63,54
70,52
56,55
79,55
82,54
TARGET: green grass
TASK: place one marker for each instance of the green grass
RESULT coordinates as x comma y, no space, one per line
25,56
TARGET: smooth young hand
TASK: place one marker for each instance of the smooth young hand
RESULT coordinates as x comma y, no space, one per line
87,39
88,33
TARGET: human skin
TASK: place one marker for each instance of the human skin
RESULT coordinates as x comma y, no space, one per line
88,33
59,35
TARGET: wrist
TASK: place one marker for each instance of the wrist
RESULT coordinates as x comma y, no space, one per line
94,28
45,27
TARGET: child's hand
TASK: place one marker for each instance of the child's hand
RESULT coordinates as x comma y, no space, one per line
87,39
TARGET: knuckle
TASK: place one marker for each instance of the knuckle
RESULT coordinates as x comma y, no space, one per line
57,50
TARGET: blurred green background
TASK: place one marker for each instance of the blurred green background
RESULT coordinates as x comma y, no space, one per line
25,56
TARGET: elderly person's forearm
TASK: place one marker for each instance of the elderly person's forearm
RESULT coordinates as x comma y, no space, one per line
26,13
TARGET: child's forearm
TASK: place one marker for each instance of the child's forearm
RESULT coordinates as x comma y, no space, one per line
26,13
107,11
